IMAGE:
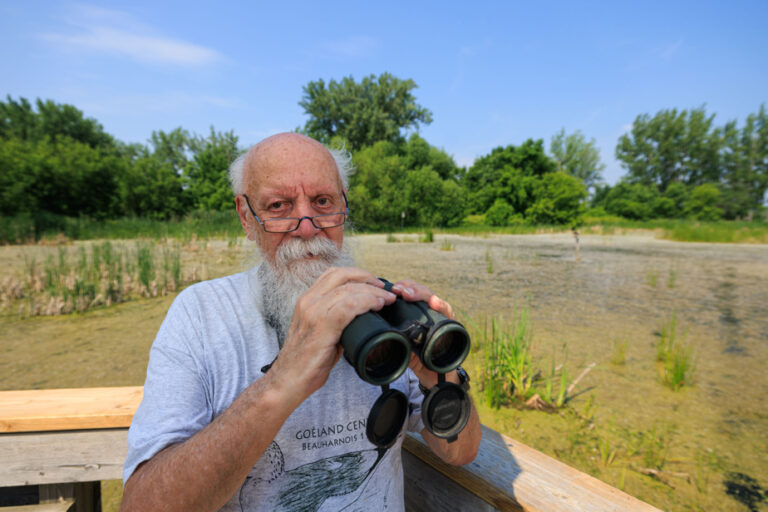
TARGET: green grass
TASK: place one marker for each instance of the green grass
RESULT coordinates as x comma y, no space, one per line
26,228
674,357
684,230
31,228
445,245
507,373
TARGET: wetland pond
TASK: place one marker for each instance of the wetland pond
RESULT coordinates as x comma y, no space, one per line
707,443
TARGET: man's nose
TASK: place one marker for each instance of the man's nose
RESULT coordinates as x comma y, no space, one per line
306,229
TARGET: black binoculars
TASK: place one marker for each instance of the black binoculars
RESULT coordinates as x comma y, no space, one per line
378,345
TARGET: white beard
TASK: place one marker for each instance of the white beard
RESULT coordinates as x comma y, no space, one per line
291,274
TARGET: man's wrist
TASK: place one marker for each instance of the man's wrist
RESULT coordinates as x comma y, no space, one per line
458,376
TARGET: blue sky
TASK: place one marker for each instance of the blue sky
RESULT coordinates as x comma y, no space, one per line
492,73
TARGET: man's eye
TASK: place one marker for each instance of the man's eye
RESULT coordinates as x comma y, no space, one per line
276,205
324,201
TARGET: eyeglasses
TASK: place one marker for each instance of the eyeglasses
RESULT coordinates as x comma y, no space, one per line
288,224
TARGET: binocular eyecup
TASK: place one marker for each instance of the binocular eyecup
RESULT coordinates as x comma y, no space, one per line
378,345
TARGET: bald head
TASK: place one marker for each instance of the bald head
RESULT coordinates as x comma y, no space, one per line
277,151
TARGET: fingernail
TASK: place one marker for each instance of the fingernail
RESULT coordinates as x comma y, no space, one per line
409,291
397,288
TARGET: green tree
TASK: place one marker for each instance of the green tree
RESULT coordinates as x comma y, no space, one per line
507,172
51,120
206,173
744,161
578,157
499,213
631,200
671,147
375,109
558,199
393,178
702,205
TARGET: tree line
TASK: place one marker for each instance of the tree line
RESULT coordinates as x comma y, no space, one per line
56,161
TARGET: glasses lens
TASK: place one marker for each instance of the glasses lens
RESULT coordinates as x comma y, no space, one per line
328,221
280,225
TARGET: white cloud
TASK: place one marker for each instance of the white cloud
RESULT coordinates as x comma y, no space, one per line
117,33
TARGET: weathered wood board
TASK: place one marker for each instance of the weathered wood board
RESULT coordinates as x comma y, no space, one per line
33,458
512,476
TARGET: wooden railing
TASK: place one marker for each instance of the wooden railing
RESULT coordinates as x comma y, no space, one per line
65,441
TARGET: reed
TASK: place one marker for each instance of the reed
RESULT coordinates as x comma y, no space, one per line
507,374
95,275
674,357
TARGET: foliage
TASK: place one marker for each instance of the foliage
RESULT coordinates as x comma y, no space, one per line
375,109
702,203
685,148
206,175
577,157
405,178
670,147
19,120
515,183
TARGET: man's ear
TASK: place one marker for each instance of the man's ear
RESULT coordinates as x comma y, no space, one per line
243,214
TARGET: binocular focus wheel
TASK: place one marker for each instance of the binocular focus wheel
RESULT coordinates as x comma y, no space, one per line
445,410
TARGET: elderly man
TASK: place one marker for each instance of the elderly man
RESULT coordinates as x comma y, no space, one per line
247,405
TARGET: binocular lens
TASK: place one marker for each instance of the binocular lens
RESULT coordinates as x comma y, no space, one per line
384,357
449,347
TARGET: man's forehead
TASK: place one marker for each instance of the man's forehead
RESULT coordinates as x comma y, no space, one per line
288,160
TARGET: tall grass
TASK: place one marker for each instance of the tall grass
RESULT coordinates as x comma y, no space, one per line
100,275
674,356
507,372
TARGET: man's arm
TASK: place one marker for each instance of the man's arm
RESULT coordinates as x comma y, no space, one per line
464,449
204,471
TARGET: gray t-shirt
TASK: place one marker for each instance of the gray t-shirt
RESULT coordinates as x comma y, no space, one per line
211,346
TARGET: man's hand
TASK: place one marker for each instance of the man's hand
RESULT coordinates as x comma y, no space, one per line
312,345
464,449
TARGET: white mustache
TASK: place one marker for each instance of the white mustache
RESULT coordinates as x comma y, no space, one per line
299,249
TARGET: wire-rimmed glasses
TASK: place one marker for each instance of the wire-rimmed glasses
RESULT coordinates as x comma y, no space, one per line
288,224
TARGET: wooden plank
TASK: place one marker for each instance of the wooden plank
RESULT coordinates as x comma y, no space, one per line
427,490
512,476
68,409
60,457
60,506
